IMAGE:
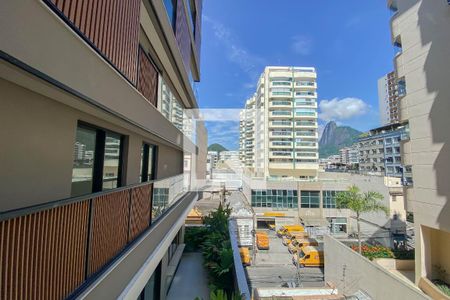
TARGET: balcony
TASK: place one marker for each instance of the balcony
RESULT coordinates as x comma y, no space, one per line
309,85
281,83
281,95
306,134
280,154
280,144
280,104
63,245
280,124
307,124
280,114
283,134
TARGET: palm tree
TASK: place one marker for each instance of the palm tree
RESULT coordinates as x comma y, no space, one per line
360,203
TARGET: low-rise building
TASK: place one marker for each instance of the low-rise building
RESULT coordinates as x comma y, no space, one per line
314,204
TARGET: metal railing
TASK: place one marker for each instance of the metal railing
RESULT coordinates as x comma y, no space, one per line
50,250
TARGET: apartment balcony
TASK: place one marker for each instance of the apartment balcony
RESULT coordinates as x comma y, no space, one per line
305,124
281,134
280,114
305,94
280,104
308,115
280,144
65,245
280,95
280,124
280,83
280,154
307,145
281,165
307,155
305,85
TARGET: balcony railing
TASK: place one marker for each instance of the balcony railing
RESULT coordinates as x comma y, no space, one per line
49,251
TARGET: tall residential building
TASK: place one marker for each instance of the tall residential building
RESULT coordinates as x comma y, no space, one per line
420,30
100,151
388,100
379,150
283,138
247,132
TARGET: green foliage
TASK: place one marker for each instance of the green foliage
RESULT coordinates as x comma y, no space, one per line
443,287
217,147
403,254
335,138
359,202
214,242
194,237
221,295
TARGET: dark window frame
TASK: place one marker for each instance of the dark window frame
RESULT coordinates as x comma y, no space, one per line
145,160
99,155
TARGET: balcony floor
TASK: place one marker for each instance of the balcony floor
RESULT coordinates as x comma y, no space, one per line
191,279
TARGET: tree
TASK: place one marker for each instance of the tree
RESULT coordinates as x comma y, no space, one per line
360,203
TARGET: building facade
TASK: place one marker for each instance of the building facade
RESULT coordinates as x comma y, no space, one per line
314,204
102,150
282,136
379,151
420,32
349,155
388,99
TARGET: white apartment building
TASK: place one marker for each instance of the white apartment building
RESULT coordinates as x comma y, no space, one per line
281,125
247,134
388,99
420,29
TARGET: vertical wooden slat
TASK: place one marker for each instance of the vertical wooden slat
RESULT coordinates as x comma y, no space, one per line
147,82
140,211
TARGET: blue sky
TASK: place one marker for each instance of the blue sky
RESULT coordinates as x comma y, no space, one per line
348,42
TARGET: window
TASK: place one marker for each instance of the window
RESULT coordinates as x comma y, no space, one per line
171,11
148,162
329,199
97,160
310,199
275,198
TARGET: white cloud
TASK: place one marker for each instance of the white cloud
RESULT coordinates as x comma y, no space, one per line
225,133
342,109
248,62
220,114
301,45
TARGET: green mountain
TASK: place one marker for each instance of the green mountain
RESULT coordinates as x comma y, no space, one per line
336,137
217,147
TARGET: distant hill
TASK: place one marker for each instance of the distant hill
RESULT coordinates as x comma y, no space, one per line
217,147
336,137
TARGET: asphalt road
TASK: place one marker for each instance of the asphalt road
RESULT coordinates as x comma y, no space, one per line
274,267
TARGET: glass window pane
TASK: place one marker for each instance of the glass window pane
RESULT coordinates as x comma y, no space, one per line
83,162
150,163
111,161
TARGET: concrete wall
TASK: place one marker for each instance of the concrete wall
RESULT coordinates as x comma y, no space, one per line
423,29
351,272
38,136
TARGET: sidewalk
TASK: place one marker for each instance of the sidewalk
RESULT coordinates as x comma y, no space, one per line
191,279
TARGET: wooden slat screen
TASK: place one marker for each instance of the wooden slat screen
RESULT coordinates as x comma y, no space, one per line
140,210
198,28
109,228
182,35
42,255
111,25
147,78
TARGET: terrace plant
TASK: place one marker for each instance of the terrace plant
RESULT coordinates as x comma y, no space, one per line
360,203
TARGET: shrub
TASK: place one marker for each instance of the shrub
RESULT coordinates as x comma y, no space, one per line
372,252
